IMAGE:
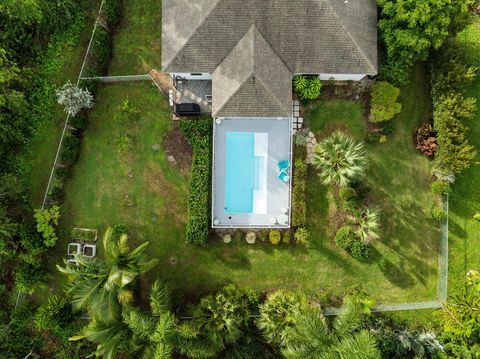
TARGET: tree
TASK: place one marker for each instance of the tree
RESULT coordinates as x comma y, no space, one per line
278,313
307,87
384,103
366,224
100,285
411,28
223,317
47,221
74,98
54,314
340,160
312,336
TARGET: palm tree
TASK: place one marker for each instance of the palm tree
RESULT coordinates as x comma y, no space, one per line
367,224
159,334
312,336
101,285
340,160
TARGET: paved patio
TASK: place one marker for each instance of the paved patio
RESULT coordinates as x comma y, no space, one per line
277,193
195,91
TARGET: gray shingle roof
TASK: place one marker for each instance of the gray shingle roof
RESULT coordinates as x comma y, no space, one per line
304,36
252,80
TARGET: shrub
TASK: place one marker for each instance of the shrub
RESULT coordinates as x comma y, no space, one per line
275,236
54,314
476,216
308,88
70,150
301,236
47,221
125,144
62,173
299,205
74,98
238,235
250,237
347,194
344,238
29,276
79,121
439,214
426,139
360,250
127,112
300,140
118,230
441,188
372,137
227,238
287,236
264,235
384,103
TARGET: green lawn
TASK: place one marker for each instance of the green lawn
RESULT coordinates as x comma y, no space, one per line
41,151
404,266
405,263
464,241
137,45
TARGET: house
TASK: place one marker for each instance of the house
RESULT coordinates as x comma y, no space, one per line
249,51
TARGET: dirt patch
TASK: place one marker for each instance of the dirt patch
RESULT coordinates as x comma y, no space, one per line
177,147
156,182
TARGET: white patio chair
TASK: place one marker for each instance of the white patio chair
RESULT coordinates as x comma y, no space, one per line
89,250
74,249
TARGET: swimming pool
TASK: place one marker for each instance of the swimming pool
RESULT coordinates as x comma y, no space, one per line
240,172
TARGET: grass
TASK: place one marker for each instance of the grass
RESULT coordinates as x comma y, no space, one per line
464,231
41,150
404,267
137,47
95,198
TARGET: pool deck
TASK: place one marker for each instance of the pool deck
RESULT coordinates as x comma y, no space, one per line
277,192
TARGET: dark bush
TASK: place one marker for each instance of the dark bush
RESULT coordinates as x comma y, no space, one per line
347,193
238,235
56,191
70,150
263,235
344,238
287,237
62,173
29,276
372,137
80,121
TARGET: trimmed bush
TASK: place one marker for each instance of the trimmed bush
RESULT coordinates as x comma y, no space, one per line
275,236
441,188
227,238
439,214
301,236
287,237
344,238
384,103
250,237
198,133
307,87
360,250
476,216
299,204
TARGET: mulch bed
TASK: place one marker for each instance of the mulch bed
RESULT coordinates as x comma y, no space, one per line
176,145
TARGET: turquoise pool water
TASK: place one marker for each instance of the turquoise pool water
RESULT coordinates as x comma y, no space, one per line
242,170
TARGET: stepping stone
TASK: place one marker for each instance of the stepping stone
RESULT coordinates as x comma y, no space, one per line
156,147
314,140
311,135
171,159
296,113
296,102
300,120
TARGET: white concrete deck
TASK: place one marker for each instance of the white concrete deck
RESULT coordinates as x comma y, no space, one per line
273,142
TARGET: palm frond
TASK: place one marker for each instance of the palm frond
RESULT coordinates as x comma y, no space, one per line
160,297
140,324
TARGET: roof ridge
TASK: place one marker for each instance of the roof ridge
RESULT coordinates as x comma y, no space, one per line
270,47
367,60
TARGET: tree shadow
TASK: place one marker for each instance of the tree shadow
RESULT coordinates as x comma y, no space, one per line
396,274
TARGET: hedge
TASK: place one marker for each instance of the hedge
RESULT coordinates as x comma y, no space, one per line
198,133
299,206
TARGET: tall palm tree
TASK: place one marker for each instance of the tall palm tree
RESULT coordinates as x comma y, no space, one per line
160,334
312,336
367,224
101,285
340,159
